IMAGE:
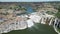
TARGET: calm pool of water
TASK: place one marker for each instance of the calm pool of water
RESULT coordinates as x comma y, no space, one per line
36,29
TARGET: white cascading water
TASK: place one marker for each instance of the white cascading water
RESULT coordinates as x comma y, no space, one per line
41,18
51,21
55,27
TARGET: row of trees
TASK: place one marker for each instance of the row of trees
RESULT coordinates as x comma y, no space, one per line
18,7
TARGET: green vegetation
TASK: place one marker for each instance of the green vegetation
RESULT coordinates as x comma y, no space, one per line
1,23
57,14
58,29
10,8
19,8
23,8
50,12
0,7
4,13
16,7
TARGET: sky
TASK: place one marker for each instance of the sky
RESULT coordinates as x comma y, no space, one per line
26,0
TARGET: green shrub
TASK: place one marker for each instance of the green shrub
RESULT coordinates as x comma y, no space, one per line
57,14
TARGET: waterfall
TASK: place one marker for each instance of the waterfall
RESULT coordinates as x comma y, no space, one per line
51,21
55,28
30,23
43,22
36,17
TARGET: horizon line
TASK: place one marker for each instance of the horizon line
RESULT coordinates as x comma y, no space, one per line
29,0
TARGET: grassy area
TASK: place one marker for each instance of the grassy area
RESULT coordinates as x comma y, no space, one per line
58,29
57,14
50,12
